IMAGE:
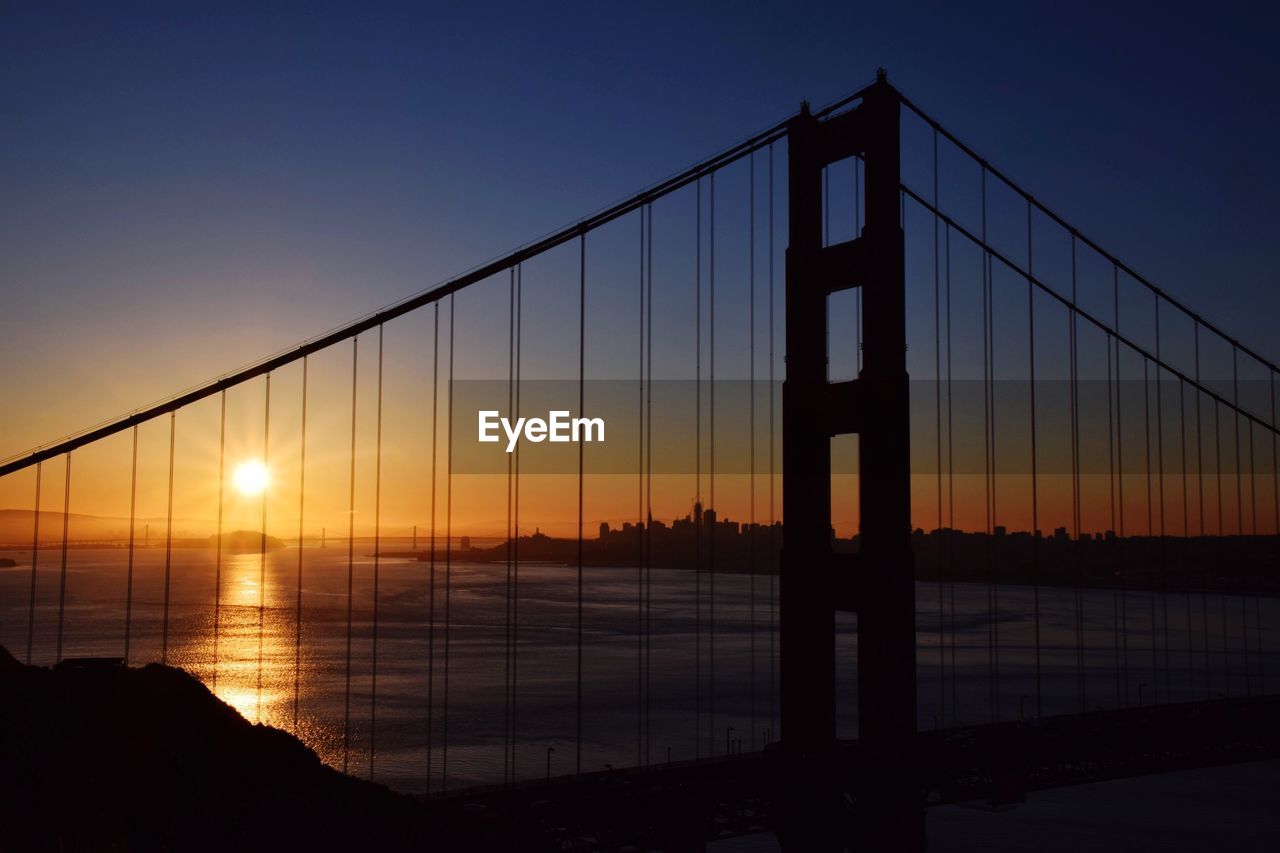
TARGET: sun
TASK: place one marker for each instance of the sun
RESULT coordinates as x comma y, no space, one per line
251,478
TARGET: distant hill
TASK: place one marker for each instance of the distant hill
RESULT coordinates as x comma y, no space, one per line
16,528
245,540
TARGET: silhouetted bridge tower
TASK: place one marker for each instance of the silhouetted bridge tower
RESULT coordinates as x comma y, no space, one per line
877,583
912,635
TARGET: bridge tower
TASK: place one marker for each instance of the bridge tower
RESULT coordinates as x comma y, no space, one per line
885,812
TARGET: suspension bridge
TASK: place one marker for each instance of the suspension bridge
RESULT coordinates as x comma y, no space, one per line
1031,514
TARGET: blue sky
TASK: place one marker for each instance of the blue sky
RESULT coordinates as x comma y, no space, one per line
184,188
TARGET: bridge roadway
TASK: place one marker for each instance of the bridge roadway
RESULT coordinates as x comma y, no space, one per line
684,805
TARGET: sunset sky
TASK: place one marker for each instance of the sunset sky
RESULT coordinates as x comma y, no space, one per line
185,191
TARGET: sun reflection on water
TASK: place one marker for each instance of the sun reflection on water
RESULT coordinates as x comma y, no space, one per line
254,656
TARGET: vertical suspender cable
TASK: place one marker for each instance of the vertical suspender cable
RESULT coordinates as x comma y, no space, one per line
1275,472
515,528
35,550
1222,591
1035,479
1186,532
507,751
951,483
168,544
262,539
1204,587
1275,477
937,399
377,561
1253,533
773,551
1253,530
648,488
697,457
993,457
448,563
1073,343
351,559
993,637
641,525
582,375
62,583
431,582
751,348
217,555
1164,582
1239,540
1151,533
302,493
711,463
133,514
1120,530
1111,499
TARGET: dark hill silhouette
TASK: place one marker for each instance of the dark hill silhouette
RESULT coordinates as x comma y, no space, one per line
98,756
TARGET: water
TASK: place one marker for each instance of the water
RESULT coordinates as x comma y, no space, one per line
1172,648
